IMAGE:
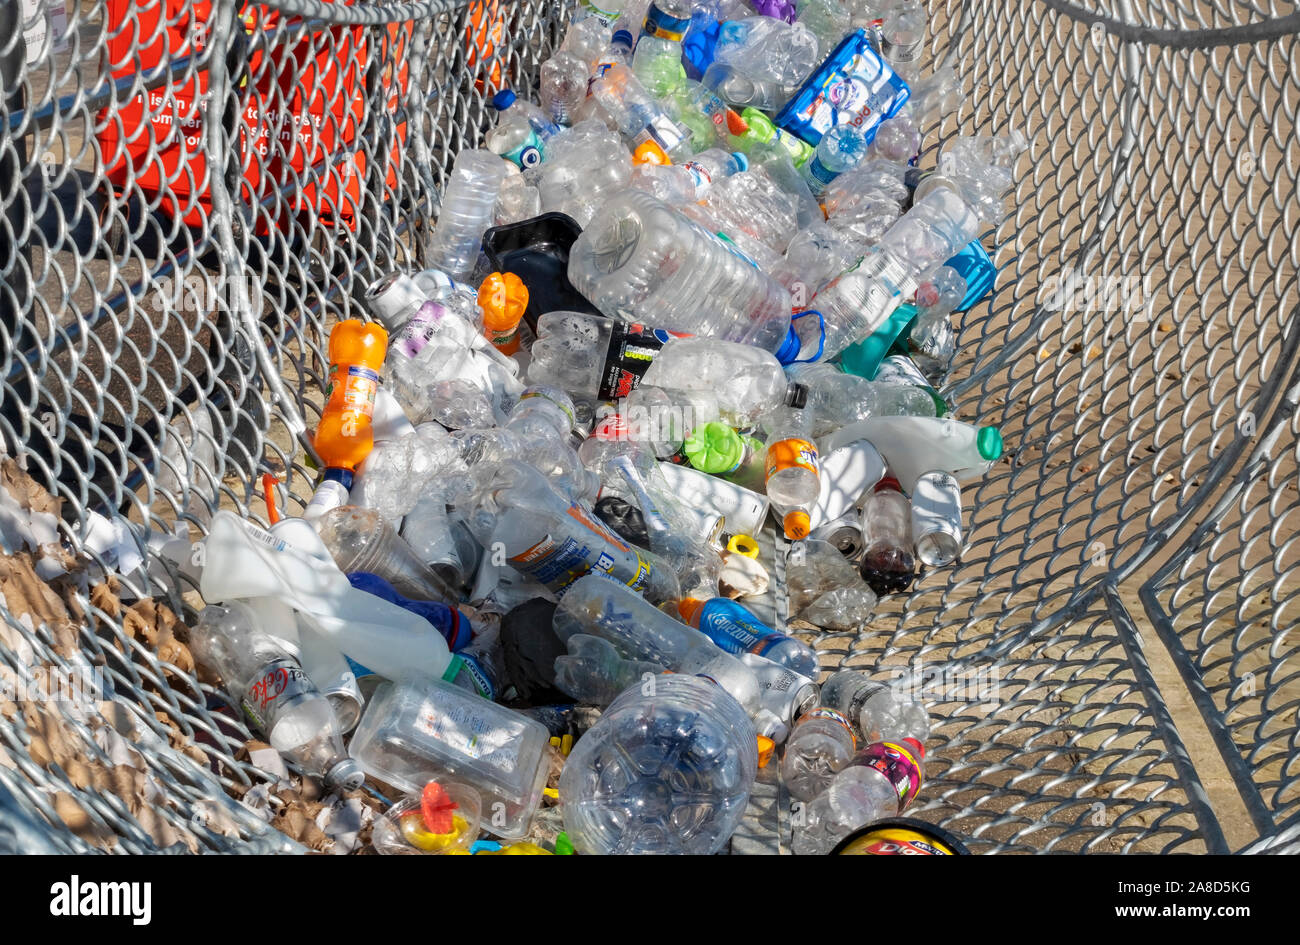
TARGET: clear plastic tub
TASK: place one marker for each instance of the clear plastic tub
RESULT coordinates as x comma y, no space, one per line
425,729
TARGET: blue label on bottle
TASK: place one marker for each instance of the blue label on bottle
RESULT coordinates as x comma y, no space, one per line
658,23
820,172
732,628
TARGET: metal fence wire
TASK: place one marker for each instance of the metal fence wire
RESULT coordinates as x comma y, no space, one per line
192,193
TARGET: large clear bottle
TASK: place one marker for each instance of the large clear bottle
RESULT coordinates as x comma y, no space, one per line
667,769
640,260
878,711
466,212
746,381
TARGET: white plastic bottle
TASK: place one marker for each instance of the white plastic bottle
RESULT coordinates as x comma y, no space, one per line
466,212
242,561
915,445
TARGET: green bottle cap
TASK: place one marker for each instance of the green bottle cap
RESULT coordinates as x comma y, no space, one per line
714,448
989,443
563,845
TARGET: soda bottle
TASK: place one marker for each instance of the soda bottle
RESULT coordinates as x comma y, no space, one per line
793,473
887,560
276,695
820,744
344,437
503,298
881,781
877,711
736,630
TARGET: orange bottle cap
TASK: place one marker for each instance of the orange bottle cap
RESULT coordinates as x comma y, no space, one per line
649,152
689,608
765,748
797,524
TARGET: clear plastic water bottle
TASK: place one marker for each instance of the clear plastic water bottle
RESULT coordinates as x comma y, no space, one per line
753,212
667,769
712,165
657,62
904,32
878,712
759,62
466,212
636,112
828,20
563,86
840,149
605,12
363,540
671,183
641,261
835,399
862,204
276,695
585,165
746,382
820,744
544,534
594,672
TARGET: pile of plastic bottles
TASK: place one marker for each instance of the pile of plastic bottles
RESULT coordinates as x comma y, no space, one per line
692,302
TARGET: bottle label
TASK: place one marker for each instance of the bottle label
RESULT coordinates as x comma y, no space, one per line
602,16
359,391
419,331
898,764
824,712
703,179
557,564
663,131
790,454
855,86
734,631
528,154
631,349
820,172
452,720
894,841
279,684
658,23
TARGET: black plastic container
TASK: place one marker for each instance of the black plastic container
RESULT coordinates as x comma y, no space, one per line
537,251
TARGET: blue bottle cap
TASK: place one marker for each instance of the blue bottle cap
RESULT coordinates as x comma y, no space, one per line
622,38
789,349
343,477
742,159
503,100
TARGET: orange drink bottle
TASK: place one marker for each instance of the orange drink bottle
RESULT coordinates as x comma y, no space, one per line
503,298
344,438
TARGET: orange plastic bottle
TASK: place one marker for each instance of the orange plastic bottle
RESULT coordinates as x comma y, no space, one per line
344,437
503,298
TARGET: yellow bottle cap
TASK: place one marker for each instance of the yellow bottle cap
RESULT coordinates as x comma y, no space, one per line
743,545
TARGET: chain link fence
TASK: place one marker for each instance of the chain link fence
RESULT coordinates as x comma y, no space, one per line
191,194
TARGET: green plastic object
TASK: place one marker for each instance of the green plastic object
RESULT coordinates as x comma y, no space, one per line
989,442
563,845
863,358
714,448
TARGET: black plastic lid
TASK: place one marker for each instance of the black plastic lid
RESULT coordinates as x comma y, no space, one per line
797,396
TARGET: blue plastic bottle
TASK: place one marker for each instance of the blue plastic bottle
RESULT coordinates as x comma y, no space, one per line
736,630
